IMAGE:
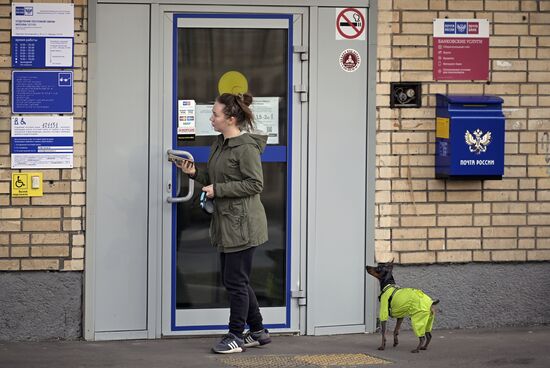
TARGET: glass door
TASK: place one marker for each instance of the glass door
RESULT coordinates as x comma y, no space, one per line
214,54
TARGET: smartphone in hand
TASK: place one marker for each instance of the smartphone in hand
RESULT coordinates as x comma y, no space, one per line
178,160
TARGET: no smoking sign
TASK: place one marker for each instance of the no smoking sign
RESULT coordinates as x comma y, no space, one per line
350,24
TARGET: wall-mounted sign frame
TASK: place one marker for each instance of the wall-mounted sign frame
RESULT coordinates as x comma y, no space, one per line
42,35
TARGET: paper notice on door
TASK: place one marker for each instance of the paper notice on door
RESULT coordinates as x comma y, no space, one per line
202,120
266,117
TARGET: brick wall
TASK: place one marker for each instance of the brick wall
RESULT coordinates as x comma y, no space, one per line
44,233
420,219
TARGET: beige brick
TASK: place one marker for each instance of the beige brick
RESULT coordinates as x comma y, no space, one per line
463,244
37,212
409,52
529,53
508,255
19,252
72,212
436,233
41,225
464,185
73,265
410,40
388,221
454,256
407,4
456,14
51,200
536,255
418,209
436,196
529,5
510,17
526,243
409,233
10,213
18,238
417,28
503,53
526,196
408,245
538,220
543,243
464,232
509,76
482,208
417,257
9,265
503,243
399,185
78,240
77,252
499,232
525,232
465,88
482,220
454,221
50,251
10,225
466,5
388,209
39,264
418,221
75,225
459,196
454,209
493,196
539,30
436,244
382,234
481,256
507,220
418,16
50,238
538,207
406,197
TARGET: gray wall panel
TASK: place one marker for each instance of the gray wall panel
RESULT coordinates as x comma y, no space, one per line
40,305
483,294
340,150
122,167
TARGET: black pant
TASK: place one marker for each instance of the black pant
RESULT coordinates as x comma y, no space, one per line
235,271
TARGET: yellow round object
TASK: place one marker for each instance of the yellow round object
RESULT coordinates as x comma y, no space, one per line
232,82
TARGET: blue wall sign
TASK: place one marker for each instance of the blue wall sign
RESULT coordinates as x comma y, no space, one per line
42,92
42,52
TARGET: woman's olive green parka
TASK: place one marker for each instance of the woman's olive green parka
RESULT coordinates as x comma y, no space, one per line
235,169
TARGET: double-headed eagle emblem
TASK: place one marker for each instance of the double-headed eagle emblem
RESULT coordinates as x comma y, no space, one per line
477,142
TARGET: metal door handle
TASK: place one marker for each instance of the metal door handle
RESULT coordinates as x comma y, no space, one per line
189,195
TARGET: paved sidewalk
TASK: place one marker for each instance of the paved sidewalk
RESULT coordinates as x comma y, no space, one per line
510,347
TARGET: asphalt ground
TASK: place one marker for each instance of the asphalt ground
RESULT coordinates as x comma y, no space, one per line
507,347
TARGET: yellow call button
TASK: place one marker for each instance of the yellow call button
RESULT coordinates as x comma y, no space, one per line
26,184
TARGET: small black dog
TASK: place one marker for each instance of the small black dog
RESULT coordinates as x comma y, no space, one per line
399,302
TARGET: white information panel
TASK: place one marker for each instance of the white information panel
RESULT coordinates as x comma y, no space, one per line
41,142
42,20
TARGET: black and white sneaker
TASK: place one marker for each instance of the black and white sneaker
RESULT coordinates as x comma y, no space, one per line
229,344
256,338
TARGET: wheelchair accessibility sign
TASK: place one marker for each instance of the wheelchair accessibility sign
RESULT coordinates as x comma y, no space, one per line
26,184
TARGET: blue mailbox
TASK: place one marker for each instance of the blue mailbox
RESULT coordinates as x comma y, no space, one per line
469,137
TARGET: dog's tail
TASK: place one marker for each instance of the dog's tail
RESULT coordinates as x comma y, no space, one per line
435,302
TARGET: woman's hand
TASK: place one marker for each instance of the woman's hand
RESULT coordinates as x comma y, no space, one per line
209,189
188,167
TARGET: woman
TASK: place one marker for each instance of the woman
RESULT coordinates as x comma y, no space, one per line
234,178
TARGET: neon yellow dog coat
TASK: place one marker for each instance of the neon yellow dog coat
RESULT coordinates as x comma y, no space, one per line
408,302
